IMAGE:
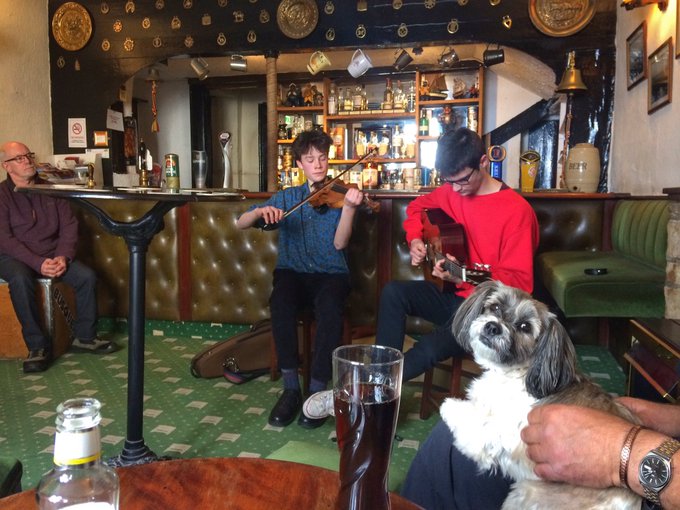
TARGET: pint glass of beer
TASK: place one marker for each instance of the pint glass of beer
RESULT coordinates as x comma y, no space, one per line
366,391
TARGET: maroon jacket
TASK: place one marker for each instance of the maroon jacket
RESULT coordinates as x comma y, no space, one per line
35,227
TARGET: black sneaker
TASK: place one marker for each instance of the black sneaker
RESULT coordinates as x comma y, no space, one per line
37,361
94,346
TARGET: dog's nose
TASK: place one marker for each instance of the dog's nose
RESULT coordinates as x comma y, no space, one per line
492,329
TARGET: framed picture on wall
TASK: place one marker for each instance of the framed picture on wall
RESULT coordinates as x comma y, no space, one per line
636,56
660,82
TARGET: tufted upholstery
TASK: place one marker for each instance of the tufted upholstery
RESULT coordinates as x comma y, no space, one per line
202,268
108,255
231,269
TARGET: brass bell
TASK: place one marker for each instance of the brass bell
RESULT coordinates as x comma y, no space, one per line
571,79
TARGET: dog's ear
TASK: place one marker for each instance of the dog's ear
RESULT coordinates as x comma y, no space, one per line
554,364
469,310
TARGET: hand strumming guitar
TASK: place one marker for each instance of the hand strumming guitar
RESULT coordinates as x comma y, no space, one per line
418,252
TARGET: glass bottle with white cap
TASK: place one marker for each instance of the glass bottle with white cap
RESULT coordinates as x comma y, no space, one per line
79,479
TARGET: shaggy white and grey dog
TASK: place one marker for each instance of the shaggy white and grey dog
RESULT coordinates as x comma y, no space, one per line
527,359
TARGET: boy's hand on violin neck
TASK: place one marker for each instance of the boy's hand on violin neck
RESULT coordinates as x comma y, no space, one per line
353,197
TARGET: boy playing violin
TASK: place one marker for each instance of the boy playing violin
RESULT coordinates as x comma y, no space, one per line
311,271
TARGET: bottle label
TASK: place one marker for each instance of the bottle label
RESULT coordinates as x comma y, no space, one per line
76,448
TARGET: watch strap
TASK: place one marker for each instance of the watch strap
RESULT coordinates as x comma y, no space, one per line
625,454
666,449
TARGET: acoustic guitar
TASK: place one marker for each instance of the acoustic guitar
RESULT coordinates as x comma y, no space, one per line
443,236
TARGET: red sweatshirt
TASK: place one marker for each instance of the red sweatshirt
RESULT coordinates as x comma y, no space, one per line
501,230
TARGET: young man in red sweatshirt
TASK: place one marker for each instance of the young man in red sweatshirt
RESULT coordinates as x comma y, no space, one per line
501,232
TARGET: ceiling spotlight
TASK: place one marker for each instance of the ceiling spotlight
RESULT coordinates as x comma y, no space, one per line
238,63
448,58
362,5
493,57
200,67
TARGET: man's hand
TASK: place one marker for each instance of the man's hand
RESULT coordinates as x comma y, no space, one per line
417,251
55,267
573,444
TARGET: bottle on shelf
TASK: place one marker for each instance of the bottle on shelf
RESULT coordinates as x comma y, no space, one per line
357,99
333,100
399,97
397,140
349,103
79,478
369,179
388,96
341,100
339,142
423,126
364,98
411,98
141,164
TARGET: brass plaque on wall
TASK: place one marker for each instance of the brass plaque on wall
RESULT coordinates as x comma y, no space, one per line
560,18
297,18
71,26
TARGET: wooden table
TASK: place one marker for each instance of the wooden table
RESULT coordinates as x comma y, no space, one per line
233,483
137,235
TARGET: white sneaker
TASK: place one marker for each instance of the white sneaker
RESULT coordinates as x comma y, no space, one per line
319,405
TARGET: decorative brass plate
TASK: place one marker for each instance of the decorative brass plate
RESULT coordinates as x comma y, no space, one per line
297,18
71,26
560,18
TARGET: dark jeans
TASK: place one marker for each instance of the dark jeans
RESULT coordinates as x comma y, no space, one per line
442,478
22,291
326,295
400,299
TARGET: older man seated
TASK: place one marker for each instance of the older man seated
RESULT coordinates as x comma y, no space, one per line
38,236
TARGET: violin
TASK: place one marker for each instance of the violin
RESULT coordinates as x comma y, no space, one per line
333,182
333,196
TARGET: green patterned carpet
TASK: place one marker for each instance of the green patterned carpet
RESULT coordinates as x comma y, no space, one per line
183,416
189,417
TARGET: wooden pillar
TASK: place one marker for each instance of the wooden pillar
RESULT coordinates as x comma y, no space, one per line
272,119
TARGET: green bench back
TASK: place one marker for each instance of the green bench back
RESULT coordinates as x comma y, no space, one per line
640,230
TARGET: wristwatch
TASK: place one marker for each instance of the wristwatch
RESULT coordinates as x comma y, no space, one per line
655,470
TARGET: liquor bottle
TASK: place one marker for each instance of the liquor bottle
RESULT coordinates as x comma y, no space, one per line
364,98
388,96
397,140
411,98
423,126
333,101
341,100
339,142
399,97
79,478
357,99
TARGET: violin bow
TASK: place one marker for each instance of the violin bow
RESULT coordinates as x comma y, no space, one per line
273,226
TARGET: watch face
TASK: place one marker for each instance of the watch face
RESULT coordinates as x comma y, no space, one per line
654,471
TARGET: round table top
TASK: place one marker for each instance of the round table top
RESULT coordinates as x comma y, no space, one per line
236,483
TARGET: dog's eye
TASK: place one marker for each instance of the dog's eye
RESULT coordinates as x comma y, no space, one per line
524,327
494,308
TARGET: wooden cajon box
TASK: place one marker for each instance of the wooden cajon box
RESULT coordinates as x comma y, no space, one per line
57,304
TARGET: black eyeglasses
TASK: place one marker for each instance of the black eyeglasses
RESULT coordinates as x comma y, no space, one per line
22,157
462,181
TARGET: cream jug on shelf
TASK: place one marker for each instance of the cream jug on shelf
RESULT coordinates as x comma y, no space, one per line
583,168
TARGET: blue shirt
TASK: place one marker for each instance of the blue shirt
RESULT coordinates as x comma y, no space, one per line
306,236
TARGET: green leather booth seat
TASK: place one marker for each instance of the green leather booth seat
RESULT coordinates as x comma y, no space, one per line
636,267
